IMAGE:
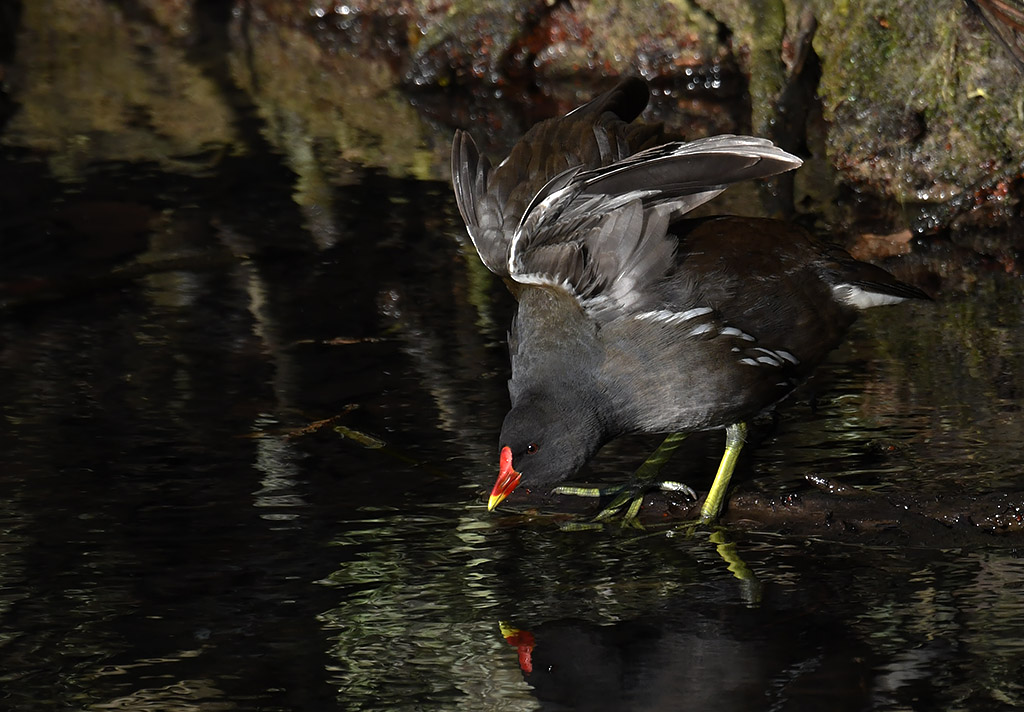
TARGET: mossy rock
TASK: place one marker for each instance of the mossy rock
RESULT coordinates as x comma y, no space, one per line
921,99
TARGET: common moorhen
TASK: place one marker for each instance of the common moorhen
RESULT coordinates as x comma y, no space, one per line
632,319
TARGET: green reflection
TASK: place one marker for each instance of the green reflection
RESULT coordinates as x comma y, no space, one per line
94,86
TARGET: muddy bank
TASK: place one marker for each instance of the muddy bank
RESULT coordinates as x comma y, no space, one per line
825,509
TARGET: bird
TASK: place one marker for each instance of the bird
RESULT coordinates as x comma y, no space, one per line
632,316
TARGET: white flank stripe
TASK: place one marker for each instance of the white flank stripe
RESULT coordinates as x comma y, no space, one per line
778,355
671,317
733,331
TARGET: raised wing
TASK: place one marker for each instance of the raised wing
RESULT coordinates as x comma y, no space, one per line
603,234
492,201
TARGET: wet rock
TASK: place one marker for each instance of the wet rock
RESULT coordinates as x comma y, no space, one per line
500,42
176,16
921,100
472,40
328,109
914,103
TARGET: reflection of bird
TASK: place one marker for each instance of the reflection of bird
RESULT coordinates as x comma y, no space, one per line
736,659
631,319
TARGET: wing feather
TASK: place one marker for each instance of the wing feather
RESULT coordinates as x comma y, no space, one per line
619,216
583,205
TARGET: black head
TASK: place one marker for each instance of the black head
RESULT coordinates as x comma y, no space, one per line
544,442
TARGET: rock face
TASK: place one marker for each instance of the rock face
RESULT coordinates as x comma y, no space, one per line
908,100
911,101
921,99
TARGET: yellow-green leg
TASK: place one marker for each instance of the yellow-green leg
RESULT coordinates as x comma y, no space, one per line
735,436
643,481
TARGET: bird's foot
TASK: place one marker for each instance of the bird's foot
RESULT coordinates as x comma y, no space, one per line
592,492
626,499
631,495
704,524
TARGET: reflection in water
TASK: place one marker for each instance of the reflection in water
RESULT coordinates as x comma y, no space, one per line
729,658
154,553
649,622
100,86
413,623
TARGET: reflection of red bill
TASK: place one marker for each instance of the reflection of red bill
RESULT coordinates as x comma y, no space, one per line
523,641
508,480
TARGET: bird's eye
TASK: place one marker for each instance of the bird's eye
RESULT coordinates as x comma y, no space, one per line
532,448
